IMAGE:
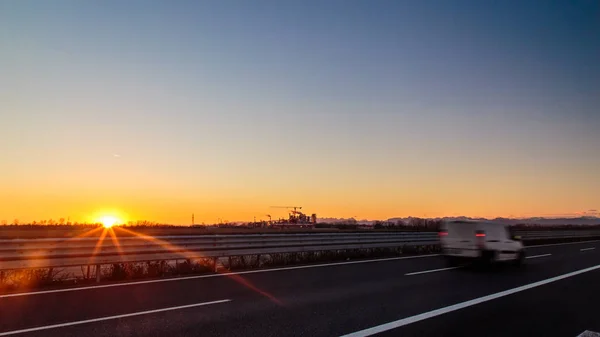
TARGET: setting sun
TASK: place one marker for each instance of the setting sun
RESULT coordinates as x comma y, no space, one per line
109,221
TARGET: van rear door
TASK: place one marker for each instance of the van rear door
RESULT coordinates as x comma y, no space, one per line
460,239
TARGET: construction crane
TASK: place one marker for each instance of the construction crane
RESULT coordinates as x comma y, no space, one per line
295,214
296,208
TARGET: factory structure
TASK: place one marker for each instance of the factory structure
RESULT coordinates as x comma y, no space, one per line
296,219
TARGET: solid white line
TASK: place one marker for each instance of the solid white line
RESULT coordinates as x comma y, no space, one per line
215,275
561,244
584,249
62,325
430,271
536,256
458,306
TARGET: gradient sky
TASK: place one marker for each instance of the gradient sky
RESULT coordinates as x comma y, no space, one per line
159,109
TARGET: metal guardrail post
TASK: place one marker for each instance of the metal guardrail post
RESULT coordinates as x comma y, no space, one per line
98,271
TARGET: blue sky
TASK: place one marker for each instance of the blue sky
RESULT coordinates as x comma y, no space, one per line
222,103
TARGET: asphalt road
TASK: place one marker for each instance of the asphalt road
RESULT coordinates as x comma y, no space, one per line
556,293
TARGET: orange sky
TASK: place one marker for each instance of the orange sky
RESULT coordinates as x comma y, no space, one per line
172,202
74,179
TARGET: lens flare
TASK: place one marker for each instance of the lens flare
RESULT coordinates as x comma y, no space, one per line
108,221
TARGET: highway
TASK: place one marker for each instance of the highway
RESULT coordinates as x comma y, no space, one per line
556,293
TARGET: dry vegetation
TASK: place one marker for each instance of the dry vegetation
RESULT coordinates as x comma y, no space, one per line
27,279
37,231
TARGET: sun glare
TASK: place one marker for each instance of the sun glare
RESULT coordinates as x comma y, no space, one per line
108,221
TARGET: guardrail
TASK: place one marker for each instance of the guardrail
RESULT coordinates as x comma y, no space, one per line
49,253
558,234
54,253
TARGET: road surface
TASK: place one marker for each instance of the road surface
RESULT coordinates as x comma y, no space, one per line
557,293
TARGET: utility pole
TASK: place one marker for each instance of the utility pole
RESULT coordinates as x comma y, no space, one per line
192,219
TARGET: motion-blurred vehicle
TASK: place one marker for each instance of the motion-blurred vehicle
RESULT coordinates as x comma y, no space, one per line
482,242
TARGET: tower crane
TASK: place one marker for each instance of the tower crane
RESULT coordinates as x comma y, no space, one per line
295,214
296,208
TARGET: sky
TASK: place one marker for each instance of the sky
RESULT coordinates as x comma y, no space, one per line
371,109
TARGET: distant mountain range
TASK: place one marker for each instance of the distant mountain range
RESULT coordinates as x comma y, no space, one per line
582,220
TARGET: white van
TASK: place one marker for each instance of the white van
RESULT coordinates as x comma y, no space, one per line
486,242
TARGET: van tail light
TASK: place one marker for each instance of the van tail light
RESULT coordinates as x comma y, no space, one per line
480,235
443,233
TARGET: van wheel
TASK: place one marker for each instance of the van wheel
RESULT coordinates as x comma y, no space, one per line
520,259
488,257
451,261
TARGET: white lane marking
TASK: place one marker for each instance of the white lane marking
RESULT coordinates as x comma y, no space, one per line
216,275
100,319
536,256
561,244
458,306
585,249
430,271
